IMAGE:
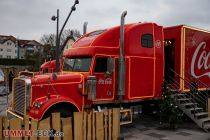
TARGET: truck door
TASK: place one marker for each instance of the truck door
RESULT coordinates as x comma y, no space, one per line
105,80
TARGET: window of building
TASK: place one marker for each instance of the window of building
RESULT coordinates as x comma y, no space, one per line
9,50
8,56
147,40
29,51
1,49
1,56
9,43
15,51
101,64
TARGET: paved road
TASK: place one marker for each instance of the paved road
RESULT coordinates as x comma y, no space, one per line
148,128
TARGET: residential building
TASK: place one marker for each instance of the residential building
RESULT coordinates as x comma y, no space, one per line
70,40
8,47
28,47
11,47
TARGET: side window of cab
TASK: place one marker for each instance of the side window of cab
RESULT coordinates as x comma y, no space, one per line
147,40
101,65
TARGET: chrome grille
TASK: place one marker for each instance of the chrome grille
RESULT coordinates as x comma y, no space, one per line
19,99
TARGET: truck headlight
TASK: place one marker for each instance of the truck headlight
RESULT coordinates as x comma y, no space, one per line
38,104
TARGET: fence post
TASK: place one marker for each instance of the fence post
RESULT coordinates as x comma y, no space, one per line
67,128
6,124
84,125
15,124
110,125
99,125
56,124
93,125
34,125
1,128
44,125
209,106
116,124
106,125
78,125
89,128
26,125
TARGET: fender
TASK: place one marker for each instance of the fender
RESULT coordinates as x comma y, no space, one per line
39,113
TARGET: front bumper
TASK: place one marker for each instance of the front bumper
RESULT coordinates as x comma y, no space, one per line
10,114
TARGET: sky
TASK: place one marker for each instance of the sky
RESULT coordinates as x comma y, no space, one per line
30,19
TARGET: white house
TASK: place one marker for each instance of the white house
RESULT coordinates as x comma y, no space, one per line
12,48
70,40
8,47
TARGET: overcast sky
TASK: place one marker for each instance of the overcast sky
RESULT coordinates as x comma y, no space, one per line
30,19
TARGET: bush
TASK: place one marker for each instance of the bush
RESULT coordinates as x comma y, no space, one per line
21,62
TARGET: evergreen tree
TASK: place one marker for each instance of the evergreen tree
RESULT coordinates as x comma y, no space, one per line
169,112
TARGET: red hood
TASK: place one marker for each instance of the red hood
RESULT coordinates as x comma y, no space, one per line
61,78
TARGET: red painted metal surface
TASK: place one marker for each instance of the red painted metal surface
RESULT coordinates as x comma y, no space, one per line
144,66
192,54
49,67
197,55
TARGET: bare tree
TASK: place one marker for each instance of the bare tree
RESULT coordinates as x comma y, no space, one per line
50,39
49,42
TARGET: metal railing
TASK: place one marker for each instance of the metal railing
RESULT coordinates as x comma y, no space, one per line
205,93
174,85
196,97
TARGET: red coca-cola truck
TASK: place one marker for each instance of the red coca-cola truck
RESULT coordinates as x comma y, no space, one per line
119,66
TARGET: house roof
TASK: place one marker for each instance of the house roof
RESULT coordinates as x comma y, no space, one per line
24,43
21,42
4,38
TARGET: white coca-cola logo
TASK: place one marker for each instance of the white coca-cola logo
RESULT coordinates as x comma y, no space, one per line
203,61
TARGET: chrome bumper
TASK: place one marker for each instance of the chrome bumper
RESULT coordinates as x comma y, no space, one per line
10,114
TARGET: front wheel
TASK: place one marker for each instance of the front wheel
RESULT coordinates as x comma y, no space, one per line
64,113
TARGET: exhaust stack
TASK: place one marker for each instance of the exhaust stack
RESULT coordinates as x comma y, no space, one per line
85,27
121,60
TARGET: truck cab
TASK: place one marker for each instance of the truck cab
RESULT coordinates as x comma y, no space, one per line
90,73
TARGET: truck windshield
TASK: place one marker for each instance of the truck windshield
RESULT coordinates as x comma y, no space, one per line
81,64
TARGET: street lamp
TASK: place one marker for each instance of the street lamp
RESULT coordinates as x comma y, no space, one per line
58,34
57,31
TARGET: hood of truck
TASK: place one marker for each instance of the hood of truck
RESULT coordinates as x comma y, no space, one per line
47,90
59,78
66,85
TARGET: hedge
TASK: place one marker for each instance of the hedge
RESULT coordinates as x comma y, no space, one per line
21,62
